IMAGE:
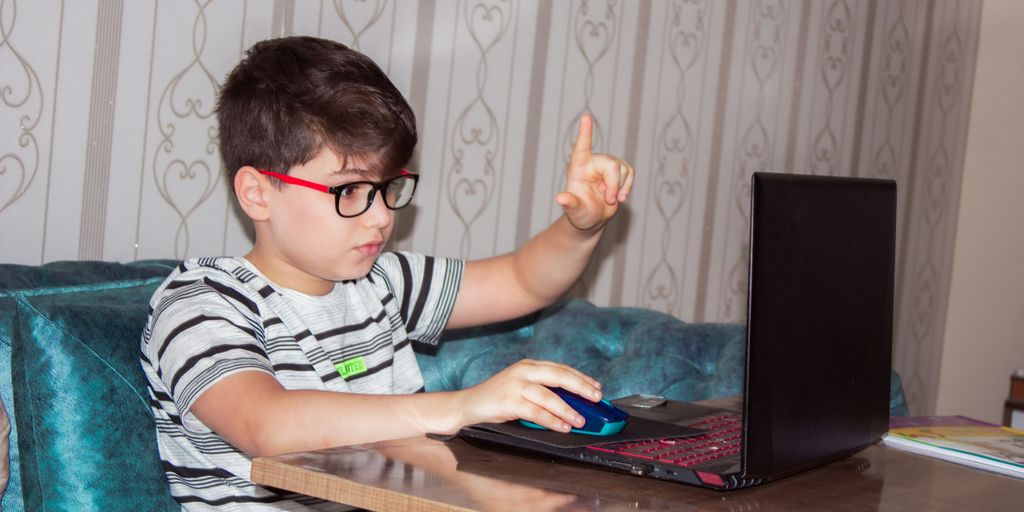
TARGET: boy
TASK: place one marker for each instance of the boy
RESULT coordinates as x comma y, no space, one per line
305,342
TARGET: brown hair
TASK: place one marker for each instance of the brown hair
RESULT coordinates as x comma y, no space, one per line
291,97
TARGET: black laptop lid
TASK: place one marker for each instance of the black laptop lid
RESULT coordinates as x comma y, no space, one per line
820,315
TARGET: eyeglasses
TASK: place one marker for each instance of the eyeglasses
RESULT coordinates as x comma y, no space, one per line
353,199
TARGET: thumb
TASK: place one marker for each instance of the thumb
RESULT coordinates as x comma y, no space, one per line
567,201
581,150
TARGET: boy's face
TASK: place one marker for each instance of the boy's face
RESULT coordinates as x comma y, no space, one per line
310,245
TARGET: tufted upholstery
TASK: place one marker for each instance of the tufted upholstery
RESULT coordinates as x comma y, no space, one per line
630,350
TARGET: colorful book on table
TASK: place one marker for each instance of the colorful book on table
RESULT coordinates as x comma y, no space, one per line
961,440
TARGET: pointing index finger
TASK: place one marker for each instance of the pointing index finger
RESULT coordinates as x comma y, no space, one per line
581,151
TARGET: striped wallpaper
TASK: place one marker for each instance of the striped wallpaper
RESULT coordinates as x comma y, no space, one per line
107,139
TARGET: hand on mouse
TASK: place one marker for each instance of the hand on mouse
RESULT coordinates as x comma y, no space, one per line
521,392
601,418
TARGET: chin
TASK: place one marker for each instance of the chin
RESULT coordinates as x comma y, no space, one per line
356,271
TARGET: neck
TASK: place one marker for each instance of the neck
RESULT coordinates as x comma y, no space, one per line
284,274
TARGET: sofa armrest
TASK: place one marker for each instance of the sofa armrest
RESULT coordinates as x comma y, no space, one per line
28,286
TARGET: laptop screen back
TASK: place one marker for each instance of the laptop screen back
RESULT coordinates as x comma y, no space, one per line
820,319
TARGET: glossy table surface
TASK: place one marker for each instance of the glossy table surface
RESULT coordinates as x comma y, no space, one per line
427,474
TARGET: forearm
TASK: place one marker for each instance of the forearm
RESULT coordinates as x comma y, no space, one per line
309,420
253,412
531,278
550,263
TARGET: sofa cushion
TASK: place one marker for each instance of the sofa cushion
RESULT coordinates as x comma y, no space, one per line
55,277
79,391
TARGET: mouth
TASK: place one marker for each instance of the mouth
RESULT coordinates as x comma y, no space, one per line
370,249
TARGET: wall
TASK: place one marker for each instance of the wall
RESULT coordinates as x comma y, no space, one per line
107,142
984,339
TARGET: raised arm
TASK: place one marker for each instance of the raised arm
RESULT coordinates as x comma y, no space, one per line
547,266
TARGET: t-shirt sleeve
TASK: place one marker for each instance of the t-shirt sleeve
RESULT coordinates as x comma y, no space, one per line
425,288
201,332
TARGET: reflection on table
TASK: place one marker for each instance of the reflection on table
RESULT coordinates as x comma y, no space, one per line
426,474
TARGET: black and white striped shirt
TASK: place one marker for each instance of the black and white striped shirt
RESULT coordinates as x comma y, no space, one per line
216,316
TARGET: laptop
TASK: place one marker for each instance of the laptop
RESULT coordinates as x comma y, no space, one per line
819,349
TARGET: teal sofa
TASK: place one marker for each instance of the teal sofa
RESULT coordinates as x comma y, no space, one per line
82,437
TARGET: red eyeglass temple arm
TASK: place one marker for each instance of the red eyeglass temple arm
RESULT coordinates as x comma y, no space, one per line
316,186
295,181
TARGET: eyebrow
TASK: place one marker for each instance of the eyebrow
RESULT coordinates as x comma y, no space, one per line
365,174
351,172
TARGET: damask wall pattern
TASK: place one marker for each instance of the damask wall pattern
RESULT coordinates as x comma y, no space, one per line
107,139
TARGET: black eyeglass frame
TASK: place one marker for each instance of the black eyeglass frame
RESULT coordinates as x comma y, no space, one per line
338,189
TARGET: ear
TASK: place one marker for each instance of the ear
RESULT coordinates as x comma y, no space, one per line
251,192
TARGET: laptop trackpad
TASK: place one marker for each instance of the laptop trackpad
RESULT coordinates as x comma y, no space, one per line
638,429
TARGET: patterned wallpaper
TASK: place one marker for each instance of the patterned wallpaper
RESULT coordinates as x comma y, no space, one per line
107,139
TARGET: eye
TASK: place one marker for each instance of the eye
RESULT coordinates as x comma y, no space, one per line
349,191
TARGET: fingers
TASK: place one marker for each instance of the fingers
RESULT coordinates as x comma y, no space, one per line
581,150
548,409
612,176
617,178
627,183
590,380
523,391
557,375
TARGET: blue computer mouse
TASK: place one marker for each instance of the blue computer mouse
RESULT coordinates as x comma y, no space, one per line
603,418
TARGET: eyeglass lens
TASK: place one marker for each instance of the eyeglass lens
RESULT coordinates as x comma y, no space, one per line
355,198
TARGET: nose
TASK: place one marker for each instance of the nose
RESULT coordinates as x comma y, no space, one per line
378,215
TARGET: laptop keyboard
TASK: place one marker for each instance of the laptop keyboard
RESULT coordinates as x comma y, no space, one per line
723,439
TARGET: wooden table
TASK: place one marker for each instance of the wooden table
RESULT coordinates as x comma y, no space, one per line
424,474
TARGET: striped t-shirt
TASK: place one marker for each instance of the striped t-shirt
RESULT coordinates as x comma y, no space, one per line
216,316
